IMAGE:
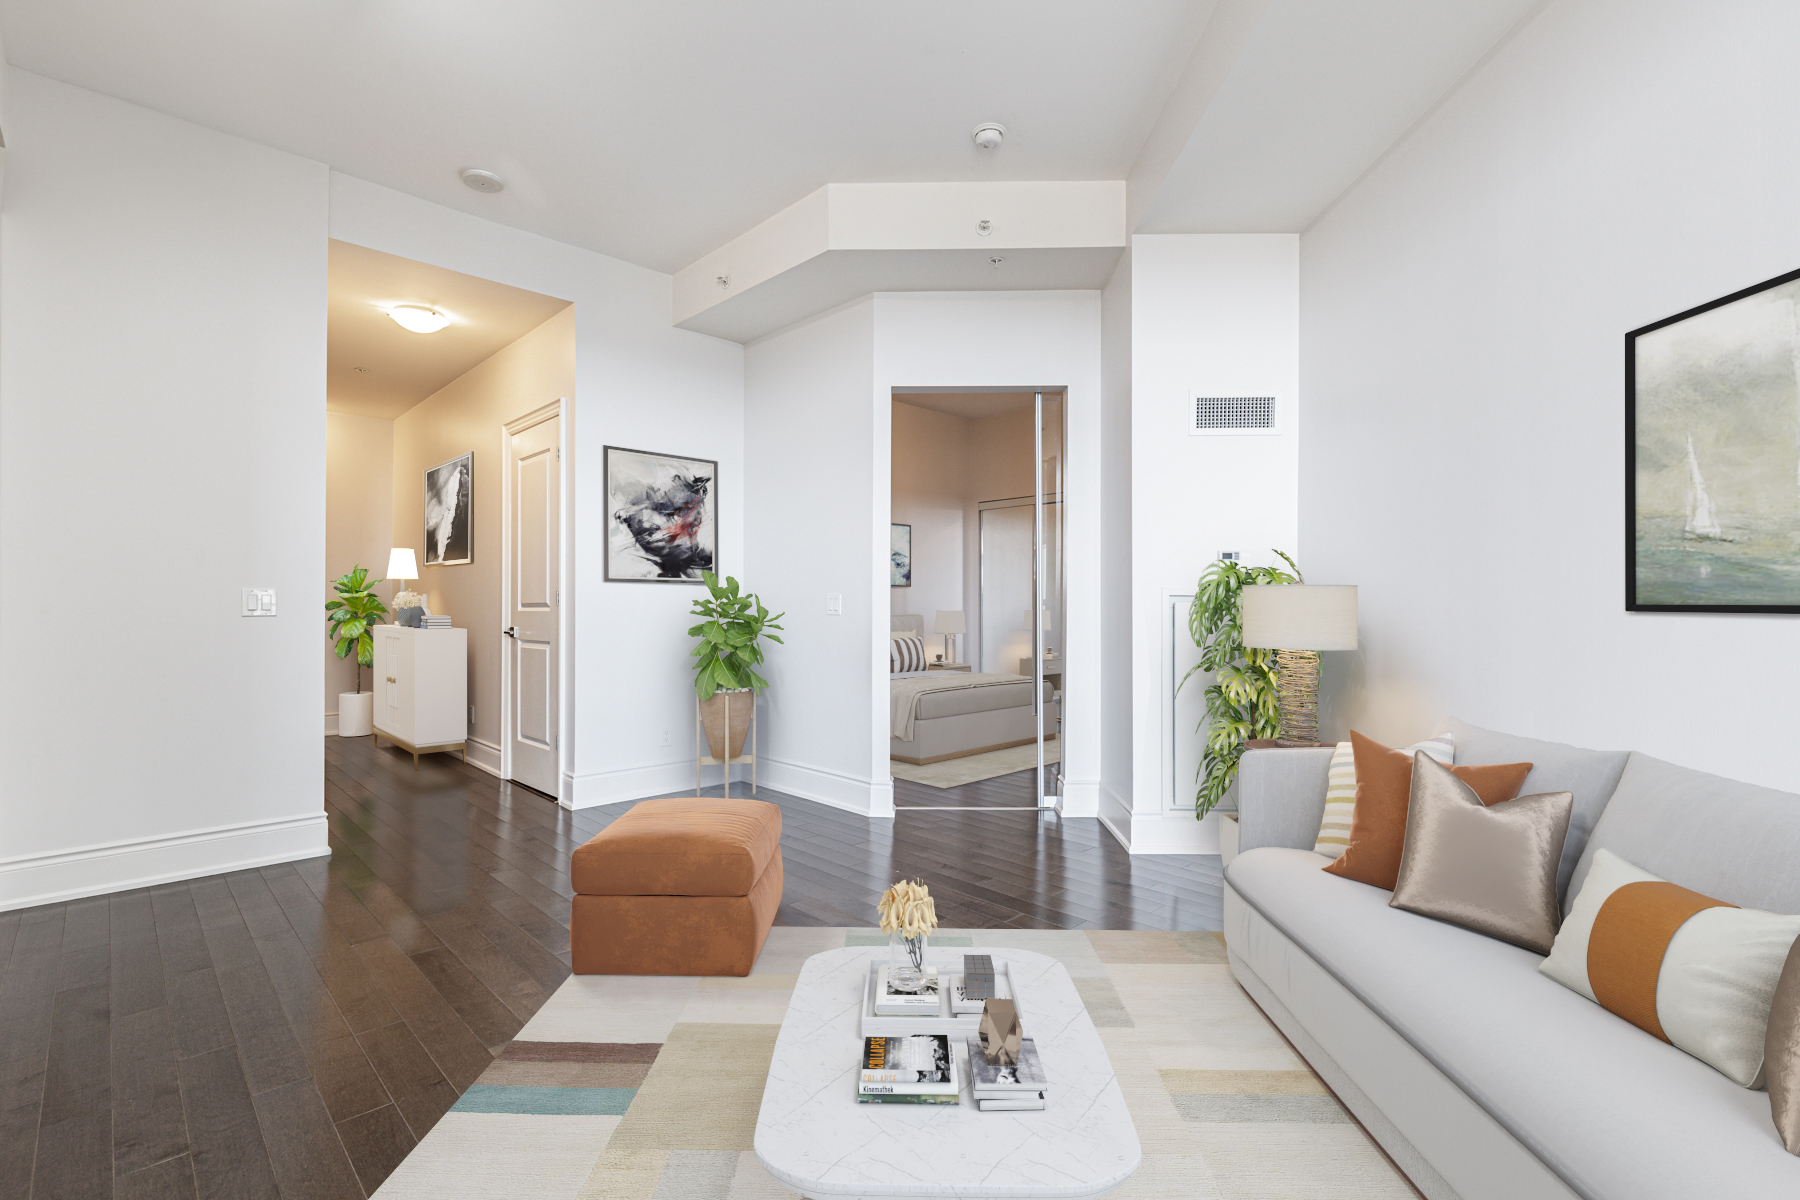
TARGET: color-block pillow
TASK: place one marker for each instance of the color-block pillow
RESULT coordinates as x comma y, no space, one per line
906,654
1696,972
1340,790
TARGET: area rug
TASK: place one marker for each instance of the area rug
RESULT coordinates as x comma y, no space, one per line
954,772
647,1088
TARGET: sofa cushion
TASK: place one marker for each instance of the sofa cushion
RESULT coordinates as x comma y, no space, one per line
1723,838
1590,774
686,846
1615,1112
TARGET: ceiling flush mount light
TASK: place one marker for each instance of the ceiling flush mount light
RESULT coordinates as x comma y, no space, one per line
483,181
418,318
989,136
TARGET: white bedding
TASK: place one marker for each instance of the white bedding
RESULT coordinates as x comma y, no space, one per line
907,687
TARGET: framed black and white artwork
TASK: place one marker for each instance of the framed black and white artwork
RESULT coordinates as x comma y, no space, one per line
449,508
901,556
1712,456
662,516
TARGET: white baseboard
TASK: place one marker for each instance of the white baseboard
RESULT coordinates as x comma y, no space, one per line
829,787
32,879
485,755
628,783
1080,798
330,724
1172,833
1115,815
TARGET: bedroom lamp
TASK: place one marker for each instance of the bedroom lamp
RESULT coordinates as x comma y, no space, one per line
1298,621
950,623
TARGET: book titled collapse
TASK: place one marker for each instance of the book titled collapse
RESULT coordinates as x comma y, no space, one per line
916,1058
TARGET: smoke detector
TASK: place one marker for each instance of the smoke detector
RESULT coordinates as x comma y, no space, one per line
989,136
483,181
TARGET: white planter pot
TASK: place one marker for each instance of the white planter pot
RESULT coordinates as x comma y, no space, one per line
356,714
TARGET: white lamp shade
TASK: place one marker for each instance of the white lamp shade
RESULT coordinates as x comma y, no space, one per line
1299,616
402,564
1043,614
950,620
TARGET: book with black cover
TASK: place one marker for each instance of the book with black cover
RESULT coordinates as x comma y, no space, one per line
988,1079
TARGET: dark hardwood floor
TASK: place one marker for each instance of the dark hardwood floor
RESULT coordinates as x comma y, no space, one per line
293,1031
1017,790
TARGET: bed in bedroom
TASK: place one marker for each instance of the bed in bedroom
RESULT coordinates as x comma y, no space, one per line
938,715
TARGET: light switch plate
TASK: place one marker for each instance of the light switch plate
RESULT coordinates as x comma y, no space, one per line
834,604
259,602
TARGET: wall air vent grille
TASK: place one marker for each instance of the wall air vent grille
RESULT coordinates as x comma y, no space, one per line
1234,414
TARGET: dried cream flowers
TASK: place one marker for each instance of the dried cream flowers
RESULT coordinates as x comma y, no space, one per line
907,908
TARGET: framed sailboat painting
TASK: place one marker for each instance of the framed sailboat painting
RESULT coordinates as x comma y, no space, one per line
1712,456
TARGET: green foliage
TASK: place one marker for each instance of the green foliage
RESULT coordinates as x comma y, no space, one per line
355,611
728,650
1241,702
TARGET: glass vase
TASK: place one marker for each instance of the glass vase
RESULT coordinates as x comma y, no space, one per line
906,962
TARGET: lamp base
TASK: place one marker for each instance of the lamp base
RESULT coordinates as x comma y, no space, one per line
1297,696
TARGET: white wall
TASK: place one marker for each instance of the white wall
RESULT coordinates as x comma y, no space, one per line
1116,748
1464,310
817,451
1018,340
628,712
1210,314
162,402
359,528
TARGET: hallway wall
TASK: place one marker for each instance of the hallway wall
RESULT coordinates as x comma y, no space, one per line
359,527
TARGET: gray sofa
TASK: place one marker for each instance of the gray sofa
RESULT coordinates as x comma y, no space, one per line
1484,1079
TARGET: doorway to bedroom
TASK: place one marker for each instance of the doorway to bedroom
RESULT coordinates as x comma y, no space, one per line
976,599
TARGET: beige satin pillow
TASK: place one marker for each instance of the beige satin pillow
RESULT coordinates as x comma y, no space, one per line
1490,868
1781,1053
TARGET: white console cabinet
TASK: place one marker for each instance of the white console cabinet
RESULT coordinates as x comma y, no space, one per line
422,689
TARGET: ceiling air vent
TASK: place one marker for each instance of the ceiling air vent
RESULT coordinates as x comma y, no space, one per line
1233,414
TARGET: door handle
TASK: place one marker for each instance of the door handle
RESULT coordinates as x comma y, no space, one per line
509,631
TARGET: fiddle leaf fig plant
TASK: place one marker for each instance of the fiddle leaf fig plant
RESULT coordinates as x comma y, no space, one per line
728,652
352,614
1241,701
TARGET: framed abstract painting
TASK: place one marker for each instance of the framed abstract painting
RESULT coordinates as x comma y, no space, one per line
662,521
900,556
1712,456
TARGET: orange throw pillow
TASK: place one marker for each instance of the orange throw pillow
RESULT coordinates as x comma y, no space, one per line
1384,793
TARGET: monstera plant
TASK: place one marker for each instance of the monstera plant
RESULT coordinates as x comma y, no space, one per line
1241,701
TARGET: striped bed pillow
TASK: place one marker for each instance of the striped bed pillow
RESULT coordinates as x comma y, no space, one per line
1340,790
906,654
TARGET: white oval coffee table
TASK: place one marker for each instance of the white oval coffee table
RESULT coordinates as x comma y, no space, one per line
814,1137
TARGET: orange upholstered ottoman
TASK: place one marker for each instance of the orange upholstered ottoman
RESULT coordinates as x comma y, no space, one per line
677,887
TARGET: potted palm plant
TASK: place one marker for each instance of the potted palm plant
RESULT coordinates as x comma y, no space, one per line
1242,701
726,659
351,615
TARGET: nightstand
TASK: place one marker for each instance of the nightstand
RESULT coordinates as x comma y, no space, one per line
944,666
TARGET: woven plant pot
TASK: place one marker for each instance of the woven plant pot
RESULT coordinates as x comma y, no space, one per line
726,718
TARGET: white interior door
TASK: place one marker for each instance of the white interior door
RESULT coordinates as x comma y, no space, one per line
534,489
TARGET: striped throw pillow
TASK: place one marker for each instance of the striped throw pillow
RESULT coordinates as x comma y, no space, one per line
906,654
1340,790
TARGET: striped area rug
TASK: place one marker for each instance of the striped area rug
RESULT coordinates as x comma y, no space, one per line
647,1087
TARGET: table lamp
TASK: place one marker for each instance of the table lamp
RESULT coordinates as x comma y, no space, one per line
402,565
950,623
1297,621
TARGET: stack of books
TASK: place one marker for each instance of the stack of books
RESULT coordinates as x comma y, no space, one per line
434,621
923,1003
1021,1087
919,1069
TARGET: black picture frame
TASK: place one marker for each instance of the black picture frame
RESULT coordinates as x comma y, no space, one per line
1634,520
450,519
628,484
